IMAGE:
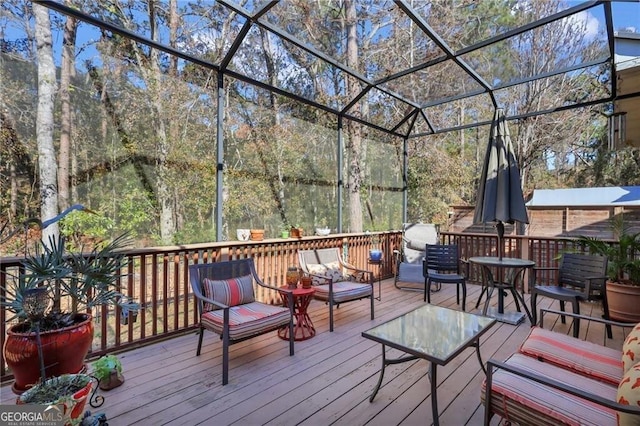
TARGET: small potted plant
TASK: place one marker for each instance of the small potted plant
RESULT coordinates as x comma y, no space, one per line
256,234
108,371
284,232
375,253
323,231
296,231
69,390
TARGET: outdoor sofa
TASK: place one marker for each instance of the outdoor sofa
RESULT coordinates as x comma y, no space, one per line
558,379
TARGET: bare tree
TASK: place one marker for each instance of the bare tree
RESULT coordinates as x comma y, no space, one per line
44,121
66,72
354,144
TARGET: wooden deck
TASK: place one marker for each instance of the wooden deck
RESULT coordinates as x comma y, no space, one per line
328,381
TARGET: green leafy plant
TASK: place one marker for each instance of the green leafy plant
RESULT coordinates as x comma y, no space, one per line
103,367
58,390
75,282
624,260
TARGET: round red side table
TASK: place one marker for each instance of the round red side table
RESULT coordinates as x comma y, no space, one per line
303,328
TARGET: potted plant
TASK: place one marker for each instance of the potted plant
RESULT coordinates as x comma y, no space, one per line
108,371
256,234
296,231
243,234
73,284
69,390
375,253
323,231
623,270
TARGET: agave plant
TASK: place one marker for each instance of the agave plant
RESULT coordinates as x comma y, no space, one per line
624,257
75,282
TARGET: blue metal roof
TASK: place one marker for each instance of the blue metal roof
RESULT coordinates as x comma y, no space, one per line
607,196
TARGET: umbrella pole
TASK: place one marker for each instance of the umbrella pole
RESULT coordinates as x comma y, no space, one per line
500,229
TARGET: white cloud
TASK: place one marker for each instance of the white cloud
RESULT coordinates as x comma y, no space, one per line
591,24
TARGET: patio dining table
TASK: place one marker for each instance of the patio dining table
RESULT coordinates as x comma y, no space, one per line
515,269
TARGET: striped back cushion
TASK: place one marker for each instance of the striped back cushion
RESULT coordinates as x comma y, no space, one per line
583,357
231,292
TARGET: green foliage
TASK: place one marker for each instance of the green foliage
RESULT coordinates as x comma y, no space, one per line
624,263
80,280
57,390
78,226
103,367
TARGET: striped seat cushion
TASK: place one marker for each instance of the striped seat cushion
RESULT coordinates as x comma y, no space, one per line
247,320
524,401
583,357
343,291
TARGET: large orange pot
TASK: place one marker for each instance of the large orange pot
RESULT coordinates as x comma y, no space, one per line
623,301
63,351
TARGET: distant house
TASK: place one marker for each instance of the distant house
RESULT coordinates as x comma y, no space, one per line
564,212
582,211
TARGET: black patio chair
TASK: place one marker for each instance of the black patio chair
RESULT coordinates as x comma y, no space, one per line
442,265
227,305
581,277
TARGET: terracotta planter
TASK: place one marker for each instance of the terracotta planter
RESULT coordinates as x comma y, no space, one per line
306,281
296,232
257,234
63,351
623,301
73,405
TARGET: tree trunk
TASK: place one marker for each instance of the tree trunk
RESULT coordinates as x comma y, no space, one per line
165,195
68,56
354,145
9,141
44,121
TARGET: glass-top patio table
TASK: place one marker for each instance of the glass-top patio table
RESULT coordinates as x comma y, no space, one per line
515,268
433,333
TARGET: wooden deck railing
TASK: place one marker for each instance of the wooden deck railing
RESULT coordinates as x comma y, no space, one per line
158,277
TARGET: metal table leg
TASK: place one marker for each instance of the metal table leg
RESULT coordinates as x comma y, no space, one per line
434,395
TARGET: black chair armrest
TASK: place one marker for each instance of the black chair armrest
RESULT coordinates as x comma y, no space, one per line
534,272
349,267
269,286
546,268
585,317
588,284
213,302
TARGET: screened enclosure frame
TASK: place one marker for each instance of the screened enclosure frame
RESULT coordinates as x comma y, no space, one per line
405,127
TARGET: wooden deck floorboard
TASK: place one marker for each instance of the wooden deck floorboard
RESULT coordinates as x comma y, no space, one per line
327,382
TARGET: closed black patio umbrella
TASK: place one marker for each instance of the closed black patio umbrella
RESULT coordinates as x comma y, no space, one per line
500,196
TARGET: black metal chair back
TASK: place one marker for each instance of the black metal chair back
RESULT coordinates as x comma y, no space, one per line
442,258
